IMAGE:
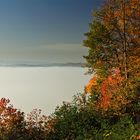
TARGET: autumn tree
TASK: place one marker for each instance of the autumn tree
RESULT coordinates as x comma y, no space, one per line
15,125
114,35
12,123
114,45
36,125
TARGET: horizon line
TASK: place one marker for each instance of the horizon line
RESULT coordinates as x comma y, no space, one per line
70,64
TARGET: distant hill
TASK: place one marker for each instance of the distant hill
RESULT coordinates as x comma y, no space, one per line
45,65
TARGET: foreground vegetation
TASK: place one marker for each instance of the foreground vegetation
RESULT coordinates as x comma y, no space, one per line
109,108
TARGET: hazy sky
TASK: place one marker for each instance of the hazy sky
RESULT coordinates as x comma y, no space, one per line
44,31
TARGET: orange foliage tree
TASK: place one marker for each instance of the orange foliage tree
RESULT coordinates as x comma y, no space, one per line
114,44
12,124
15,125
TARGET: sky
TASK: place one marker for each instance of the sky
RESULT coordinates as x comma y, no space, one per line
44,31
